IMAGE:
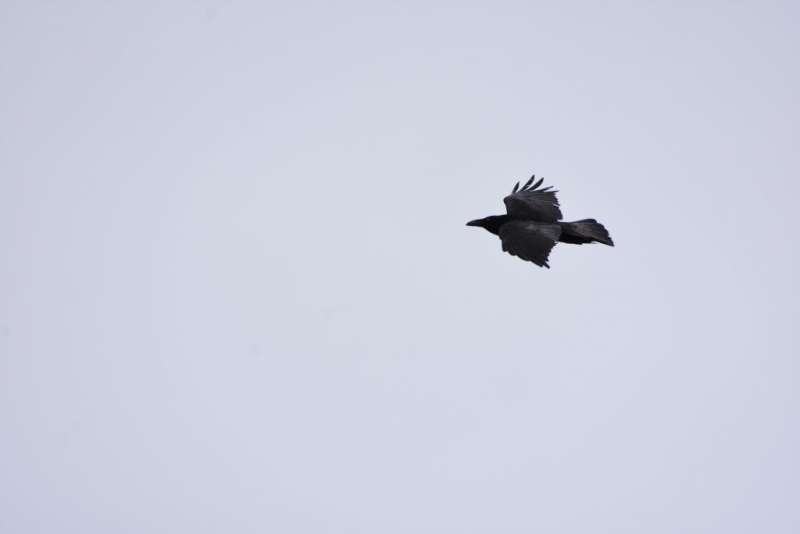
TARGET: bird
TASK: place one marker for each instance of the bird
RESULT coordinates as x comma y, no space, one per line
532,224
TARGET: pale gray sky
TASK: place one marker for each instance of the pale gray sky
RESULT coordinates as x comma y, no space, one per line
237,293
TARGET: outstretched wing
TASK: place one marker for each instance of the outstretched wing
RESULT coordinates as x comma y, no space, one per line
530,202
529,240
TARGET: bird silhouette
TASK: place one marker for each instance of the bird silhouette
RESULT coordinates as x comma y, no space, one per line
532,224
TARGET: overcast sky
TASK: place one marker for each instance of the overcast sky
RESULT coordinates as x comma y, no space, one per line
237,293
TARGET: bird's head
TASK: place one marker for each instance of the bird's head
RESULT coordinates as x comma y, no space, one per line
491,223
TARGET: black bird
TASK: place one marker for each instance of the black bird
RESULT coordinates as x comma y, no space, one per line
532,224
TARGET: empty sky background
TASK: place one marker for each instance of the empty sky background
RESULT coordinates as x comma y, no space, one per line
237,293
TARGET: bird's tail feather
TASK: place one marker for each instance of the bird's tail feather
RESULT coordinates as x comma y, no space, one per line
585,231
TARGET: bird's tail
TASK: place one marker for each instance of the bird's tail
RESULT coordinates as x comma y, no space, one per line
585,231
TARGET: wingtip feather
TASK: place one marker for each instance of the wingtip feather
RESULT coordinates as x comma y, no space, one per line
528,183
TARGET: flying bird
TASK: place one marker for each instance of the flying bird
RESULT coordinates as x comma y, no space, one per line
532,224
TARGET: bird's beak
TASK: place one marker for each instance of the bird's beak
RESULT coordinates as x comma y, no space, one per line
476,222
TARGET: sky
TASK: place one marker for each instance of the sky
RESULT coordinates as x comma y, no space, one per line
237,293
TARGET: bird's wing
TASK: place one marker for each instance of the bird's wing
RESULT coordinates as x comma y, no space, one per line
529,240
530,202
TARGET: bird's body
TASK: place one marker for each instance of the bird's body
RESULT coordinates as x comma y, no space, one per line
532,224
